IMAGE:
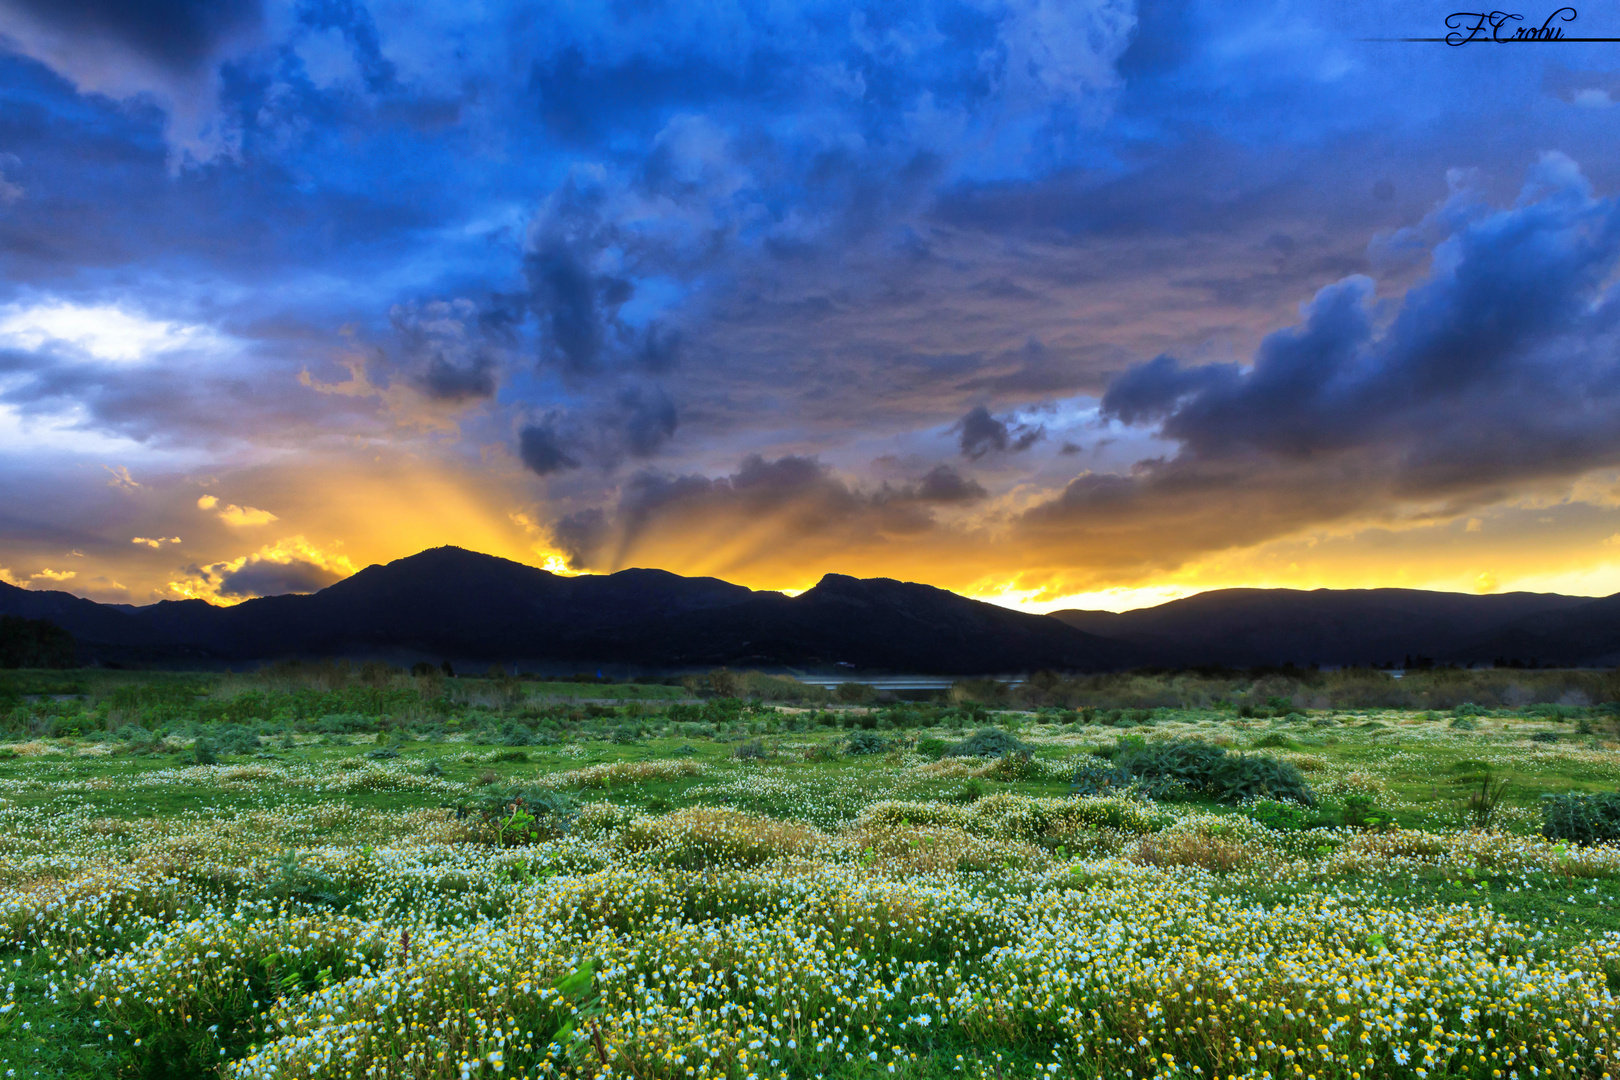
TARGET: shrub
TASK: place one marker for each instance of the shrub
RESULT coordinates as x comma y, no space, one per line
933,748
750,751
1202,848
854,692
515,815
513,733
1284,816
1095,777
1207,770
701,837
1581,819
1463,723
1358,811
344,724
866,742
202,752
989,742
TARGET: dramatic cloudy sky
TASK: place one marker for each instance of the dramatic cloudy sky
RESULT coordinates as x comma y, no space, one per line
1056,302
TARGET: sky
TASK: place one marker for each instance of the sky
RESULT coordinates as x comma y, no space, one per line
1056,303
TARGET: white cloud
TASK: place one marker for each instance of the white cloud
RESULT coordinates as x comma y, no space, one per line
154,543
105,331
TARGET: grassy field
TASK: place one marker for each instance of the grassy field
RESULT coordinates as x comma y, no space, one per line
342,873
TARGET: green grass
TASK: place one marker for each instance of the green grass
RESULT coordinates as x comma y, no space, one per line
453,748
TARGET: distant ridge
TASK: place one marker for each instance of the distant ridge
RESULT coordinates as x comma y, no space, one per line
1346,627
476,610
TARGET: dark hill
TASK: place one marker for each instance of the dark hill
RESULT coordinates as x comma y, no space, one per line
1251,627
474,609
1584,635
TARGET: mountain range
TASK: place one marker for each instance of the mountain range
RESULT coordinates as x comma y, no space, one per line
447,604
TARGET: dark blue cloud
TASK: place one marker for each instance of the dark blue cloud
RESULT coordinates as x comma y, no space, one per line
265,577
542,450
604,235
1501,364
979,433
179,34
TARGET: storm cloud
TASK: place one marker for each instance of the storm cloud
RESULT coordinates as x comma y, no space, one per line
267,578
979,433
968,290
1501,365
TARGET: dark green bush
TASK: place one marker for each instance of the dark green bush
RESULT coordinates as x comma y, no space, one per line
989,742
933,748
1285,816
1581,819
866,742
1095,777
1206,770
513,733
345,724
517,815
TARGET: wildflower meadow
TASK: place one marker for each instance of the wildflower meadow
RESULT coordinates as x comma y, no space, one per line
339,878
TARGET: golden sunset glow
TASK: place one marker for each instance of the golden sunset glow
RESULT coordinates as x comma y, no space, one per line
1052,309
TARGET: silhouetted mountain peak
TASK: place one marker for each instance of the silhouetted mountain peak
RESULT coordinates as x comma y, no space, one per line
452,604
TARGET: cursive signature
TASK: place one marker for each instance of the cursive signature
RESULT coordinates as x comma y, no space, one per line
1466,26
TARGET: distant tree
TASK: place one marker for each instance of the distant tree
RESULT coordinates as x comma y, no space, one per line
34,643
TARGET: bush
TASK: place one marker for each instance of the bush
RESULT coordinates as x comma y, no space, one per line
989,742
1094,777
750,751
203,753
1581,819
513,733
1279,816
517,815
1463,723
933,748
1467,708
1207,770
344,724
866,742
855,693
